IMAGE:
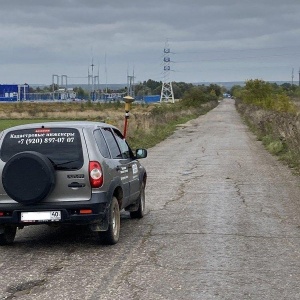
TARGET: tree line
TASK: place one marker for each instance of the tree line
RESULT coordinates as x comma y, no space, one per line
145,88
255,91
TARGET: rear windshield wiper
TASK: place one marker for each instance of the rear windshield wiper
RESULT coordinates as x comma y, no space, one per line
66,162
58,165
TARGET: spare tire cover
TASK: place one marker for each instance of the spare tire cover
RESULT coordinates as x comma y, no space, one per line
28,177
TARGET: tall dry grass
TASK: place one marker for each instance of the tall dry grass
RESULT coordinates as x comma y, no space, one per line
279,131
147,124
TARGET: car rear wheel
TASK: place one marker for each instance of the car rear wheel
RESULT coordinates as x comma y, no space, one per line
139,213
8,234
111,236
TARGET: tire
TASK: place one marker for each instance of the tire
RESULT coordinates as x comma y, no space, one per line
28,177
140,212
8,236
111,236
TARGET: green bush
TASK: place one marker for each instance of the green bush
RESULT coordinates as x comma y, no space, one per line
197,96
260,93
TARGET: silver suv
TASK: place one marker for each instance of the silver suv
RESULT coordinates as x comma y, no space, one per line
80,173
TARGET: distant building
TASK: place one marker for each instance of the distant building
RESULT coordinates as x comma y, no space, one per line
13,92
151,98
65,94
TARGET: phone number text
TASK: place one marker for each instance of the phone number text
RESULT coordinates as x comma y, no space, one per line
45,140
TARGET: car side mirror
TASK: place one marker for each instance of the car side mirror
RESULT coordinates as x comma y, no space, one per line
141,153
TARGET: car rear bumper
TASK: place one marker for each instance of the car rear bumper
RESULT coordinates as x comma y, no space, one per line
75,212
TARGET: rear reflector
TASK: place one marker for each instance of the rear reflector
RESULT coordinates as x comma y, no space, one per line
85,211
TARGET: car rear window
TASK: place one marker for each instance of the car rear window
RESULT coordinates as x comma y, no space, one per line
61,145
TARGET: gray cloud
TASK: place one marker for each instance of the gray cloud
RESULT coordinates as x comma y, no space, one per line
210,40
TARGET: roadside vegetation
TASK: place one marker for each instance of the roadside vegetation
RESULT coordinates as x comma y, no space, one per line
272,112
148,123
161,121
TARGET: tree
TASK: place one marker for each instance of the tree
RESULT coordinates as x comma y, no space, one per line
266,95
196,96
81,93
216,88
142,90
152,84
236,91
257,92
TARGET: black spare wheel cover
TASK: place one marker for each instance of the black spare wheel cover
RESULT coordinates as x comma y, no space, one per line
28,177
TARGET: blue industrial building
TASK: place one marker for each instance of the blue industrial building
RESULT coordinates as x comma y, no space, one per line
151,98
13,92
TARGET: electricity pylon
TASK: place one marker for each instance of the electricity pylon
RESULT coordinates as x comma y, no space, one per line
167,94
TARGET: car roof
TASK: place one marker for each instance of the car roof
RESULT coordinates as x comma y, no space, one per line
60,124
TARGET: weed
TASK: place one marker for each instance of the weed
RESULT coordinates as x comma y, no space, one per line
275,147
277,131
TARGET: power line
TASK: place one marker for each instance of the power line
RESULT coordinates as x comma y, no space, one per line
237,58
237,50
77,77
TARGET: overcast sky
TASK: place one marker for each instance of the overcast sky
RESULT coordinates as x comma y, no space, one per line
209,40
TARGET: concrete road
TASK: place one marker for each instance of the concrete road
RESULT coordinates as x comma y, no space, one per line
223,222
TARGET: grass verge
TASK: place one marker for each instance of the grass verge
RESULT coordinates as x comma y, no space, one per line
157,134
162,130
162,121
276,146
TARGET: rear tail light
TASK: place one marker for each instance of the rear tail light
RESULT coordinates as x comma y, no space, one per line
96,175
1,213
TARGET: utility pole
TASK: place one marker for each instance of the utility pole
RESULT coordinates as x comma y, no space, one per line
91,78
57,82
93,88
105,74
64,81
96,87
292,76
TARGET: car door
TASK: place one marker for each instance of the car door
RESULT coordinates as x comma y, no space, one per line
118,160
133,170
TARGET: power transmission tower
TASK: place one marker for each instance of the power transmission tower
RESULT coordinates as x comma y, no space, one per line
167,89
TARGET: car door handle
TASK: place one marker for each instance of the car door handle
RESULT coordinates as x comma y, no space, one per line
76,185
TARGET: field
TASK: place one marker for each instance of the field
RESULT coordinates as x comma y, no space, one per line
24,112
148,124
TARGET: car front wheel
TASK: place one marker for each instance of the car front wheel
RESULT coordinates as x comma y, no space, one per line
139,213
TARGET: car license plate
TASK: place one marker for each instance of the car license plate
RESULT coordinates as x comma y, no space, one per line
41,216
